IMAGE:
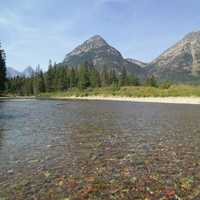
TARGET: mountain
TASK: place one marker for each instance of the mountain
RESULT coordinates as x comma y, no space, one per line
100,53
181,62
137,62
11,72
27,72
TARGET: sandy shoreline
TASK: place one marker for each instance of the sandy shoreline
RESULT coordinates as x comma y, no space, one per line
170,100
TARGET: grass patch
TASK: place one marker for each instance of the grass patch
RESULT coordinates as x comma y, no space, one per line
130,91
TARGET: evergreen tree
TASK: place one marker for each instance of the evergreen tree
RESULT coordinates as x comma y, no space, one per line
83,76
29,86
49,77
94,78
62,77
133,80
39,82
113,78
72,78
2,70
123,77
104,77
151,81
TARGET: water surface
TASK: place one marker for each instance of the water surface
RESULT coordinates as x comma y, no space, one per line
99,150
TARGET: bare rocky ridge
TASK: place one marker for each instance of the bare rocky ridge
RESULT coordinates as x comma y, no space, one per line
94,42
180,62
137,62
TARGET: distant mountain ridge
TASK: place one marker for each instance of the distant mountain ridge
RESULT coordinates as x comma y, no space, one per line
180,63
11,72
27,72
137,62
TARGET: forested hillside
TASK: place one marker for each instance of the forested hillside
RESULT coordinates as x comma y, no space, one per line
60,77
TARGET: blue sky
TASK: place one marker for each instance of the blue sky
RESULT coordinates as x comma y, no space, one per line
34,31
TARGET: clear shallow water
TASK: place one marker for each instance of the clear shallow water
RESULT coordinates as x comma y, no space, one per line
99,150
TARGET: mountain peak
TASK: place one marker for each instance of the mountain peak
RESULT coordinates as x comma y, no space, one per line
101,54
95,42
96,39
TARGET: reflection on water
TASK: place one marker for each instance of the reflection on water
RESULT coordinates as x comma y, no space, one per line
98,150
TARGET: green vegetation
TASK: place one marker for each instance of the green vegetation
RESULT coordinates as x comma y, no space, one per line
62,81
2,70
61,78
131,91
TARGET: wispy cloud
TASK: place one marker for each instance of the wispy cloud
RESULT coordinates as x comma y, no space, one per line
29,41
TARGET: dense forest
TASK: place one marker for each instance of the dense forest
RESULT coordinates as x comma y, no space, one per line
60,77
2,70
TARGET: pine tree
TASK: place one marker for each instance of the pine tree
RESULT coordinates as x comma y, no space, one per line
72,78
113,77
151,81
63,82
94,78
104,77
49,77
2,70
133,80
83,76
123,77
39,82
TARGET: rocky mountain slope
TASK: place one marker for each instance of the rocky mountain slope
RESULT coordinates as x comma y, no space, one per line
137,62
181,62
101,54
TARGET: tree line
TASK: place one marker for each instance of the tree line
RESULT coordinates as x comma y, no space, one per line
2,70
60,77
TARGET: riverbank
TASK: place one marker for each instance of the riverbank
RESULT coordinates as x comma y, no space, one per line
178,94
170,100
17,98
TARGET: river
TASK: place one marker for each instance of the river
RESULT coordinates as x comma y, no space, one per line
65,150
